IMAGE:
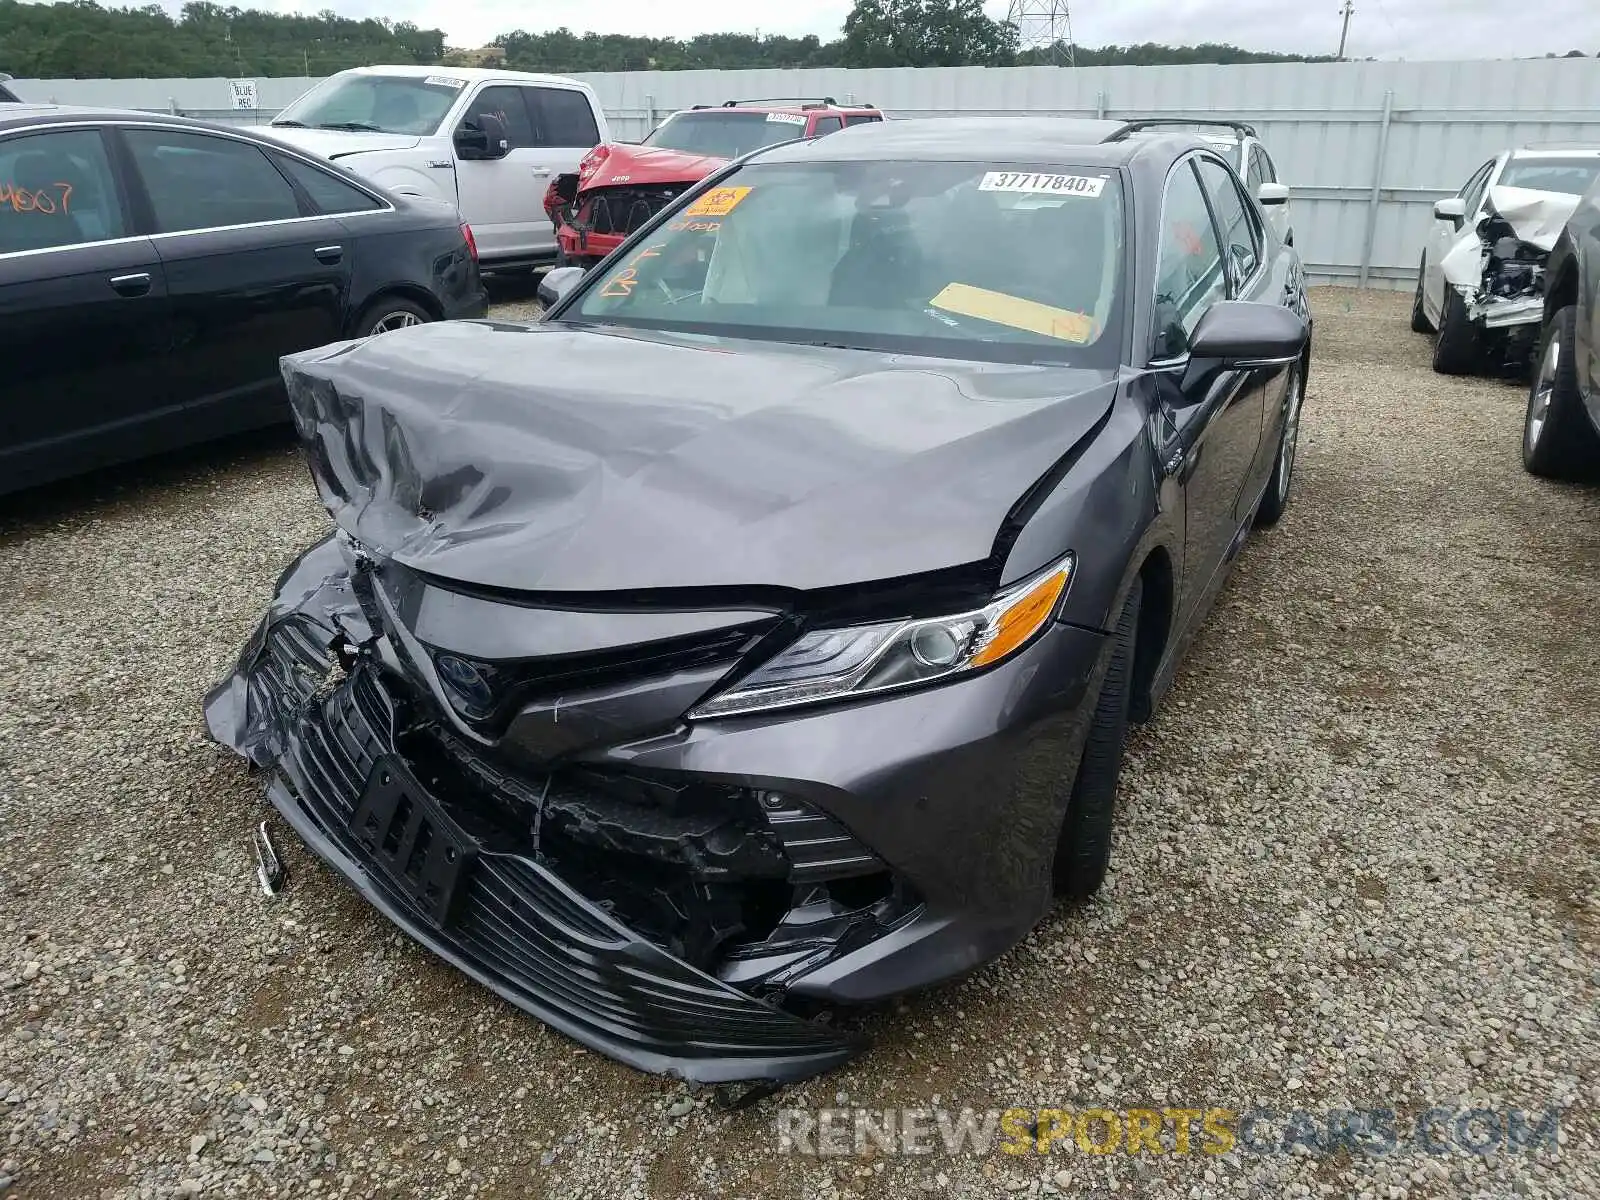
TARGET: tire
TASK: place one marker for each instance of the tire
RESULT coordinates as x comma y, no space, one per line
1084,848
388,313
1456,350
1419,314
1276,499
1558,439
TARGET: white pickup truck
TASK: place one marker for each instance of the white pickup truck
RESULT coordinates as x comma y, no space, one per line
488,141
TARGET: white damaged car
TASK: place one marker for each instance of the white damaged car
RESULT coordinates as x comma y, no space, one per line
1481,280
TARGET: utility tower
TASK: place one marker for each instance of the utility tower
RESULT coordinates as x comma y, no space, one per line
1044,25
1346,12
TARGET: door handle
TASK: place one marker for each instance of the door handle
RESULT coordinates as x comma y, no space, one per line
131,285
329,254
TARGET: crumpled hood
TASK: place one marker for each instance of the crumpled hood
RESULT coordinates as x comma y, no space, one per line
340,143
1535,217
628,166
547,458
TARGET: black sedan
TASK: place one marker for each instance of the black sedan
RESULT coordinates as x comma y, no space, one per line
153,270
1561,433
760,630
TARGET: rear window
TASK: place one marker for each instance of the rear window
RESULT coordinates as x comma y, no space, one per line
725,134
961,259
1570,176
862,119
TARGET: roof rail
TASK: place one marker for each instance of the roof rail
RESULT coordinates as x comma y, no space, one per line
827,100
1144,123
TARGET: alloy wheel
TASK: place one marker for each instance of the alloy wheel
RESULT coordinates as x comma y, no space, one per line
1543,388
395,320
1291,434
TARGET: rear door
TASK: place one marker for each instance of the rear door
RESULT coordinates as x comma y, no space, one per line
251,273
83,310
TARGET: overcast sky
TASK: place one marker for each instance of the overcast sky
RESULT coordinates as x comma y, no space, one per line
1416,29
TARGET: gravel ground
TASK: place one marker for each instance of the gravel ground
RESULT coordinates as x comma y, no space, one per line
1358,866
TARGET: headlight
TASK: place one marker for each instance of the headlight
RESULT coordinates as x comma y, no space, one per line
860,659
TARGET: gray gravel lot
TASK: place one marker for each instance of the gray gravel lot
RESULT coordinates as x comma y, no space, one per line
1357,867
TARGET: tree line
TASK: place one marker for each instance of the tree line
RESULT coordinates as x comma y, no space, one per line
83,40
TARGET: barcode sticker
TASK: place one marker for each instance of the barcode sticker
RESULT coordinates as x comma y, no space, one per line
448,81
785,119
1054,185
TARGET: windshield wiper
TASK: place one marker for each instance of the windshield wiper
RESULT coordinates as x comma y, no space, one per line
290,124
352,126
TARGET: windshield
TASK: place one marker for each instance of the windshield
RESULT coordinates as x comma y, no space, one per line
960,259
1571,176
411,104
726,134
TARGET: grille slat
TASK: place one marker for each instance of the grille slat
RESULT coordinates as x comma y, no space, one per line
541,945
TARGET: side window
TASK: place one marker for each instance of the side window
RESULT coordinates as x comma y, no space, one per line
1256,174
862,119
1189,273
506,103
1473,192
1241,241
826,125
564,117
196,181
329,193
1269,172
57,189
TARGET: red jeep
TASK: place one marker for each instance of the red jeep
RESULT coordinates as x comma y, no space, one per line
619,186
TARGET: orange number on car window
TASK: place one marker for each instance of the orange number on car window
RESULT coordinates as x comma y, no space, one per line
627,278
40,200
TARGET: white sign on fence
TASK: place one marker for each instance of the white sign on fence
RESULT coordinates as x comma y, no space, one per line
244,93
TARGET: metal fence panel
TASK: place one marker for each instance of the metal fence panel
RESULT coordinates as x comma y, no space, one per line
1366,146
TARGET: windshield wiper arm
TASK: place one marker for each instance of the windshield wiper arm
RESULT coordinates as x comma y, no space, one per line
290,124
353,126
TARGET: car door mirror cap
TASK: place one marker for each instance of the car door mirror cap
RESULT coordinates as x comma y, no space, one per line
558,283
1271,194
1451,208
1243,334
486,142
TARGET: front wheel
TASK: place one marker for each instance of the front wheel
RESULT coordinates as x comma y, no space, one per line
1558,440
1419,314
1084,849
1456,351
1276,499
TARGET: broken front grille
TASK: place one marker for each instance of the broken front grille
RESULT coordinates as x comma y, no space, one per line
621,210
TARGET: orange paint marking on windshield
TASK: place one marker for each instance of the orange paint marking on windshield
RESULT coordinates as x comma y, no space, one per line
40,200
694,226
627,278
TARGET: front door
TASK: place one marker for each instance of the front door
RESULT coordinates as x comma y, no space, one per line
250,276
548,129
1443,236
83,311
1214,416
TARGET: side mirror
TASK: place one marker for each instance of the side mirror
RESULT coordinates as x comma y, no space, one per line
1452,209
1269,194
483,137
1242,333
557,284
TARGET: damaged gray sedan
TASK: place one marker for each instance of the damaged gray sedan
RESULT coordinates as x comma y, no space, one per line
757,635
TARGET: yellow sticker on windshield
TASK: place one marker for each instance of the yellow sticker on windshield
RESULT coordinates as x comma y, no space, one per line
967,301
718,202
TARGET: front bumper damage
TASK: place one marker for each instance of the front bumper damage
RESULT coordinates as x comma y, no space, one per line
644,890
1500,272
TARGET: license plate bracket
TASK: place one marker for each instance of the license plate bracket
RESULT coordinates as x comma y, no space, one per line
411,840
